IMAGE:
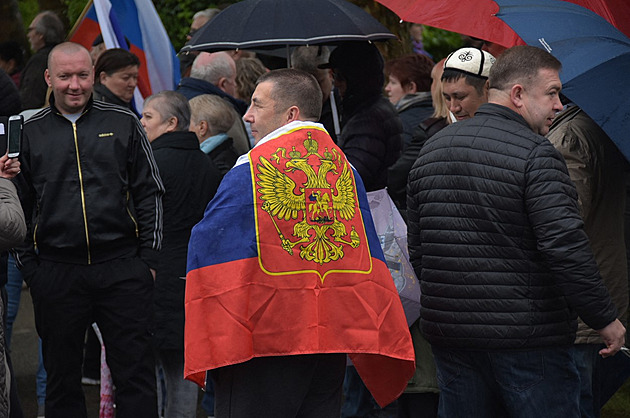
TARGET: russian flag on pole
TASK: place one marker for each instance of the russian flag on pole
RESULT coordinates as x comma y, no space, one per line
286,261
138,22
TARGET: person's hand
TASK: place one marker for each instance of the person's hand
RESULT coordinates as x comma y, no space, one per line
9,167
152,273
614,336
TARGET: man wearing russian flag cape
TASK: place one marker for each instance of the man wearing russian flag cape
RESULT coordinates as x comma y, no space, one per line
286,275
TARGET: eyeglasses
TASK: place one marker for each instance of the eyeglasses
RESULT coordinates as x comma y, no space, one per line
625,350
192,32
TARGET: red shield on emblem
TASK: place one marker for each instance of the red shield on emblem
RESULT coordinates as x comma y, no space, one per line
319,207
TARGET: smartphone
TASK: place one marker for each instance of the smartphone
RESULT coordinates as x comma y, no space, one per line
14,135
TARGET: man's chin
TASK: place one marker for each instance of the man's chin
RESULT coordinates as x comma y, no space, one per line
74,107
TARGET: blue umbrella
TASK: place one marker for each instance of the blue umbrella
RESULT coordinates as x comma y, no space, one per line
274,23
595,58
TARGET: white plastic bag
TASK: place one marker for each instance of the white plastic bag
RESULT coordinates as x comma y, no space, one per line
392,233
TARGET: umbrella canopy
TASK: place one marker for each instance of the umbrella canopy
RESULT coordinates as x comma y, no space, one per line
273,23
472,18
595,58
477,18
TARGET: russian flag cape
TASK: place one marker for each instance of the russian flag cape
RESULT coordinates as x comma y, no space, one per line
286,261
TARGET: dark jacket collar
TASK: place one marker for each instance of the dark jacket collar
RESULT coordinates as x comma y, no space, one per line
178,140
203,87
502,111
101,92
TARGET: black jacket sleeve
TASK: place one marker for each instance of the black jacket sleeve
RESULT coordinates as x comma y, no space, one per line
551,201
146,191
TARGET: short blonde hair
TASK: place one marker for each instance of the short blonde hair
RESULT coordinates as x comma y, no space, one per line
215,111
439,103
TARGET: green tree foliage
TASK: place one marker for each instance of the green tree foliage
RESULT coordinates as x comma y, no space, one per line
177,15
74,10
440,43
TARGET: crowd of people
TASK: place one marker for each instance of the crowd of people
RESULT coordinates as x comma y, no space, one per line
221,235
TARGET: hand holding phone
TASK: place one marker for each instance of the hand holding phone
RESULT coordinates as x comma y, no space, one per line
9,167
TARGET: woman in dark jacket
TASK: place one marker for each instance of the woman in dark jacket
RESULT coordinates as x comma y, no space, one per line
190,181
408,89
116,77
398,173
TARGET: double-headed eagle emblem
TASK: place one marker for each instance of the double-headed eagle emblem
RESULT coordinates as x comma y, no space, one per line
319,208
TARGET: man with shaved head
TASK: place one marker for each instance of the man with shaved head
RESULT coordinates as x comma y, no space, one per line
92,197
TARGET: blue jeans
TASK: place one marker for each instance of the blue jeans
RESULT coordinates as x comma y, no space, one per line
587,362
14,294
525,384
181,395
207,401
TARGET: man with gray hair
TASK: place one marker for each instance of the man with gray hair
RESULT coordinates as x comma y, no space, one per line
498,244
45,31
198,21
216,74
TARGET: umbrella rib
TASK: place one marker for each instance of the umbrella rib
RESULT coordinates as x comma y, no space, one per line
274,41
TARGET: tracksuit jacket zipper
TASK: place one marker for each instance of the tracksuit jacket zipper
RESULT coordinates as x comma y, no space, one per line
87,234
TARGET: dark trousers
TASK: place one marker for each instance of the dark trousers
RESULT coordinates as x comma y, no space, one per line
118,296
281,387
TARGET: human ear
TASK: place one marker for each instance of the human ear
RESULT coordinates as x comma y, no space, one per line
171,124
516,95
411,88
203,128
293,113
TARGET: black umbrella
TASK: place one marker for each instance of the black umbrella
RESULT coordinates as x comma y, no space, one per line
252,24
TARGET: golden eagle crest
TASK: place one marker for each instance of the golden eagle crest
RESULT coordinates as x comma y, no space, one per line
305,194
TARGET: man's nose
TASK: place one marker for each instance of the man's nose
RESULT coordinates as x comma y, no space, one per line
74,82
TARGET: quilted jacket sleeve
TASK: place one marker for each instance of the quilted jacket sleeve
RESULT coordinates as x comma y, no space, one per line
551,201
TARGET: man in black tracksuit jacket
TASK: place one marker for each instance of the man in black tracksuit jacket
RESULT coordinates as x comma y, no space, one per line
92,195
497,241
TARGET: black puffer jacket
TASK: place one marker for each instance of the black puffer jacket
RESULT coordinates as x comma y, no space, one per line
497,240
